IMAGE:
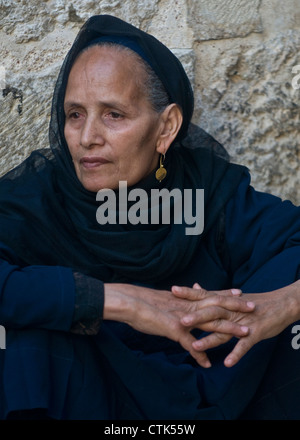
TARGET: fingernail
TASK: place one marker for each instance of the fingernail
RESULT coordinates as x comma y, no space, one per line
207,364
229,362
177,288
244,329
250,304
236,291
197,286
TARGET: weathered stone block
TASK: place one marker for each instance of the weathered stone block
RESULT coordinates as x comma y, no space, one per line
248,103
214,19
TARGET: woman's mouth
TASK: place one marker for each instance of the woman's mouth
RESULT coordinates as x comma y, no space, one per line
92,161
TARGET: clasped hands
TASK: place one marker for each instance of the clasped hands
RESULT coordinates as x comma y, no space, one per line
249,317
222,314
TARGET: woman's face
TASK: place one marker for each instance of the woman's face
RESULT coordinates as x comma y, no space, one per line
111,130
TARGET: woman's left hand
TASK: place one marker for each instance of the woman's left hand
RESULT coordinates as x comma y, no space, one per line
273,312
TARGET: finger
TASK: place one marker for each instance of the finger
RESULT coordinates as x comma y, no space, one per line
201,358
192,294
226,327
214,309
211,341
213,323
197,292
240,349
229,292
231,303
234,292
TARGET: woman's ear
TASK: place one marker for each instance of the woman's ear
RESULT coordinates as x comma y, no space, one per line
171,120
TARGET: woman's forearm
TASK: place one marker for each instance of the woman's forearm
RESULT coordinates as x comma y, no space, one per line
294,301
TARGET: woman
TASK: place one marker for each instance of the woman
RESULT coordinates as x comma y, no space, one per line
108,321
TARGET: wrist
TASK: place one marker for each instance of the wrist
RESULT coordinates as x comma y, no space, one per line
117,304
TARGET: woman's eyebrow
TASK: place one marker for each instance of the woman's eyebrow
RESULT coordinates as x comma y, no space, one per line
114,104
109,104
71,104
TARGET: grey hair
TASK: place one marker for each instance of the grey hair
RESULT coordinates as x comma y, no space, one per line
151,84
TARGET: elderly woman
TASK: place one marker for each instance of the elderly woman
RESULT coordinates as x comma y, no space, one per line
107,320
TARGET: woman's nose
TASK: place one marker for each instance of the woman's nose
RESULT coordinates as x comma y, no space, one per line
91,133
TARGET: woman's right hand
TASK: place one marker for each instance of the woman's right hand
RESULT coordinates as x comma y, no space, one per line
159,312
274,311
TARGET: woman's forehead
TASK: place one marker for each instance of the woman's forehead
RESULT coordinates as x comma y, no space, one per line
100,61
110,70
109,56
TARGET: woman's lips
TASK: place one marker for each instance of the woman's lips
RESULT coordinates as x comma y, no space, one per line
92,162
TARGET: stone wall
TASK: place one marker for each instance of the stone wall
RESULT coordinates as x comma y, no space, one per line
240,55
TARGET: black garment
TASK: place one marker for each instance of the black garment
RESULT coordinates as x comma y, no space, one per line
121,373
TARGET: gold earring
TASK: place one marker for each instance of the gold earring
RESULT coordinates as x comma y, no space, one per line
161,172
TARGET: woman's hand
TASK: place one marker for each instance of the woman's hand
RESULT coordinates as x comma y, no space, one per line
160,312
273,312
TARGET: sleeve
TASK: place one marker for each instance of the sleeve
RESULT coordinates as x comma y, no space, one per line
89,303
49,297
262,239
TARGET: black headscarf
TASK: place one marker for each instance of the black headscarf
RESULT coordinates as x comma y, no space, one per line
48,217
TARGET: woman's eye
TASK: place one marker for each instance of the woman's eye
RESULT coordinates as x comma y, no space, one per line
115,115
74,115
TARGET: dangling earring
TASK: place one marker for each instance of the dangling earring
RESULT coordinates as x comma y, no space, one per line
161,172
